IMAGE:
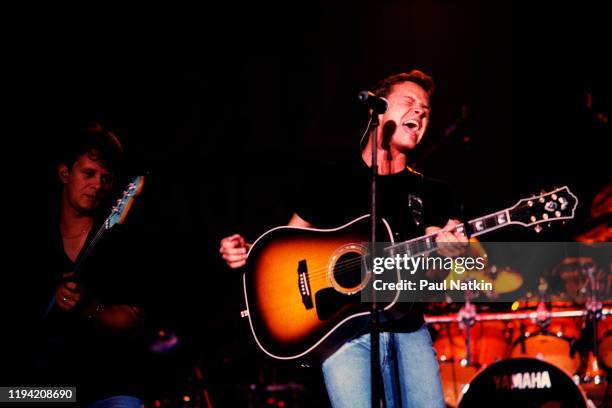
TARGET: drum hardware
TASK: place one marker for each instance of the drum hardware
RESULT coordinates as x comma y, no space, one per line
467,315
593,381
593,306
484,317
593,371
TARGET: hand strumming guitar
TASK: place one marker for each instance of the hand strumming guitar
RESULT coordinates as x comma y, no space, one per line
114,317
233,250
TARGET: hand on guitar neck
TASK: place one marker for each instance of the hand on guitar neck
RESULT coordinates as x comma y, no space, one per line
450,242
68,295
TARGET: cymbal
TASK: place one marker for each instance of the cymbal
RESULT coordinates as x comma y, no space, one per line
506,280
469,275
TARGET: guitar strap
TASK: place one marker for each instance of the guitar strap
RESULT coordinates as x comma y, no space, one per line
415,199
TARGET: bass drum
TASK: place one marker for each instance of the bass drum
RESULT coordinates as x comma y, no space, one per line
522,382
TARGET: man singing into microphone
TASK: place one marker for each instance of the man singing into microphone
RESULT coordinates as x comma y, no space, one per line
413,205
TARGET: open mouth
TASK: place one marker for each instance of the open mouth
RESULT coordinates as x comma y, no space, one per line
411,125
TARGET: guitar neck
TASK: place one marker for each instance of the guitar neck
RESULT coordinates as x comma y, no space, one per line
85,254
115,217
477,226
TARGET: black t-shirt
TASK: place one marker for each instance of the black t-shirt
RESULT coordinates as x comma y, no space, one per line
67,349
336,193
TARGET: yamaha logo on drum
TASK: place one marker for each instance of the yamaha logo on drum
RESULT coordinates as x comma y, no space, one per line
529,380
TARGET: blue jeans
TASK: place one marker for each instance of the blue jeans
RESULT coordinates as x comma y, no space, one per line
119,401
408,366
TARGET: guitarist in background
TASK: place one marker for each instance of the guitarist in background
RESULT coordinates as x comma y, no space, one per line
93,329
413,205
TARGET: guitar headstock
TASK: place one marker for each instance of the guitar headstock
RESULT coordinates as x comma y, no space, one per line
120,210
556,205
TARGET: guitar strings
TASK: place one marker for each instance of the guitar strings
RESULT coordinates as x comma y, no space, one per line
344,267
348,266
340,268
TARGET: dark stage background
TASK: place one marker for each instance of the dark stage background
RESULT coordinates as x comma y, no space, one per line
226,106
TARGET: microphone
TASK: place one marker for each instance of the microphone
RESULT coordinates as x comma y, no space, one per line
377,103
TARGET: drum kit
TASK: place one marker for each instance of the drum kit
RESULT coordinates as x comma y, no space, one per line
549,350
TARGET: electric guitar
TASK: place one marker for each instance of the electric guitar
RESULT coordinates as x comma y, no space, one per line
116,216
302,285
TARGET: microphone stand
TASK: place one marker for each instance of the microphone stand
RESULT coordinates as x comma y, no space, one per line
375,375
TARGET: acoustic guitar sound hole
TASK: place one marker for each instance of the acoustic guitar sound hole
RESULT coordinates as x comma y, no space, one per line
347,270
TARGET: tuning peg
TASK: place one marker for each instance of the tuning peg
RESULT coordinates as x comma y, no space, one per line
537,229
